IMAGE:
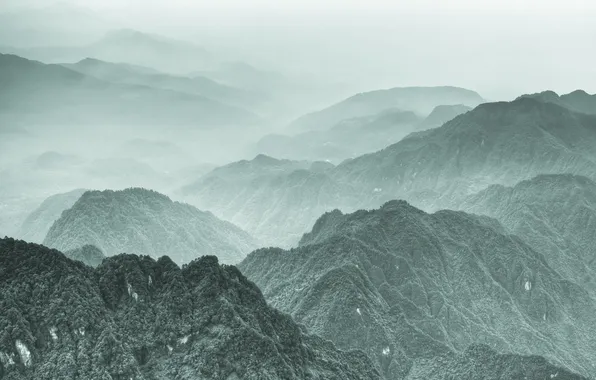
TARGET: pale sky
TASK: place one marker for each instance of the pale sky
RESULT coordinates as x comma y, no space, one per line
498,47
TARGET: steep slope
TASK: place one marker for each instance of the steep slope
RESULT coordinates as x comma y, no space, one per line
38,223
88,254
137,318
349,138
274,200
408,287
496,143
555,214
442,114
421,100
578,100
135,75
145,222
34,92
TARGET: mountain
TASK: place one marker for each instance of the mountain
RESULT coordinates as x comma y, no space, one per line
496,143
136,318
411,288
128,46
348,139
274,200
38,223
578,100
555,214
88,254
442,114
37,93
146,222
421,100
137,75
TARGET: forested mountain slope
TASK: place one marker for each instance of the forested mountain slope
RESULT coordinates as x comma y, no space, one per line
141,319
408,287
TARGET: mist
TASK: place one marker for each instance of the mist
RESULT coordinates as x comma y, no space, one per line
323,190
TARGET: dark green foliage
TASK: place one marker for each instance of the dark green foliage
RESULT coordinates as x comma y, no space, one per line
137,318
409,288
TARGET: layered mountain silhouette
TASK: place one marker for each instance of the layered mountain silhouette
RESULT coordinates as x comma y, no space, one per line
347,139
36,93
274,200
138,75
496,143
414,289
142,221
421,100
137,318
555,214
578,100
38,223
128,46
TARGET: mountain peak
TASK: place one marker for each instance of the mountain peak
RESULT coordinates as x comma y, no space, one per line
137,220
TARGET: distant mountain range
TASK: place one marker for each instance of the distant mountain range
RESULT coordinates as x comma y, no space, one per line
421,100
129,46
36,93
274,200
145,222
411,288
347,139
143,76
137,318
496,143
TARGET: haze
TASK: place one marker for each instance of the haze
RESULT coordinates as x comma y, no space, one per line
499,48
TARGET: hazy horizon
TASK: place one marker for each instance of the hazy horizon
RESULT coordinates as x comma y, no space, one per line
500,49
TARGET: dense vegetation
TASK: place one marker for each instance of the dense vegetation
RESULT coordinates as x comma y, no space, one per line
410,287
137,318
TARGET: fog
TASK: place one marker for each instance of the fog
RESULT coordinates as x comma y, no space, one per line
208,84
